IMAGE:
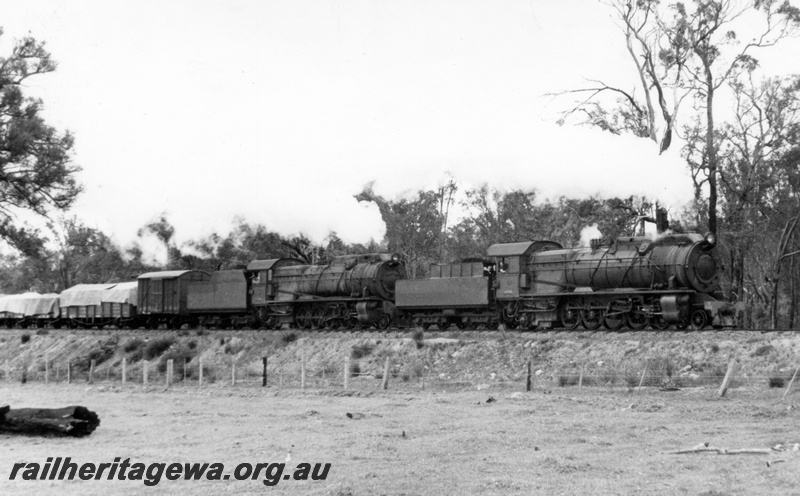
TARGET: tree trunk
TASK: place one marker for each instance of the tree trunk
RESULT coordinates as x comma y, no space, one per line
711,152
793,293
73,421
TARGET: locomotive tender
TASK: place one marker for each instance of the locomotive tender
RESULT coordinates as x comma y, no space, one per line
631,282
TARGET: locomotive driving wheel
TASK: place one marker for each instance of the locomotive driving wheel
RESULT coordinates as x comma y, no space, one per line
637,320
592,317
570,314
303,319
317,317
615,321
658,322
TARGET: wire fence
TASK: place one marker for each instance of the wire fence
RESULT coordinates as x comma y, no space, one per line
393,374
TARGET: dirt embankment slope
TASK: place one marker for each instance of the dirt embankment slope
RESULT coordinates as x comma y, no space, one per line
469,358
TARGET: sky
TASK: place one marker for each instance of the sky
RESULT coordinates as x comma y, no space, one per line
279,112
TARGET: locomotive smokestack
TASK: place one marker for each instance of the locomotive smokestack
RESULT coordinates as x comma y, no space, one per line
662,220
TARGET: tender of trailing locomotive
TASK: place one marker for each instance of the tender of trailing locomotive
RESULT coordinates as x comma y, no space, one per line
350,291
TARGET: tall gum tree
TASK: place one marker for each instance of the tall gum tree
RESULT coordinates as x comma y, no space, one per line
682,50
36,169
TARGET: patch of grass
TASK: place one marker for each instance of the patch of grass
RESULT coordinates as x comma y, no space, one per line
42,332
714,348
418,335
156,347
567,379
355,369
192,344
234,346
180,356
289,337
200,332
776,382
25,338
763,350
361,350
102,352
133,345
329,369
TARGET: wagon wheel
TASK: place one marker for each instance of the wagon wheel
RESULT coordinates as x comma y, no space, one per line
493,325
570,315
615,321
658,322
443,324
425,326
592,318
699,319
637,320
462,324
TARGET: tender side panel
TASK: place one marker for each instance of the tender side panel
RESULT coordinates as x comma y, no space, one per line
445,292
226,291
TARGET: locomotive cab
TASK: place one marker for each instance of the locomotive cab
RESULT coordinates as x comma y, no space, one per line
513,267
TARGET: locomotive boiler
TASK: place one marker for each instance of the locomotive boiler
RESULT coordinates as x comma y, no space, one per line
632,282
350,291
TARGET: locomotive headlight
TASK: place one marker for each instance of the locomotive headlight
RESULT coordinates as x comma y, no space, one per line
711,238
395,257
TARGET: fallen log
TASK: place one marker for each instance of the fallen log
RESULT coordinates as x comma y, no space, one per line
705,448
73,421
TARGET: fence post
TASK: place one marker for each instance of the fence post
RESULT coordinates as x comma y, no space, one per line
724,387
264,372
91,372
385,383
69,371
303,372
528,378
124,370
641,381
346,370
580,378
170,364
24,378
6,370
280,376
233,371
145,367
790,383
200,372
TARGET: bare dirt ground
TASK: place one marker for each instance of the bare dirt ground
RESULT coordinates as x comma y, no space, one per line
550,441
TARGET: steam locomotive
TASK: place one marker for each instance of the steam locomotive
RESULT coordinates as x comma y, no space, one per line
631,282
